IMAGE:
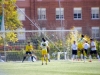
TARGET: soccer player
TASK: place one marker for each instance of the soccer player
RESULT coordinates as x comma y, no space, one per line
44,51
48,48
93,50
80,46
74,50
86,47
28,49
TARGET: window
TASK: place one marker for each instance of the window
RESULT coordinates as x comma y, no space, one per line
95,13
21,12
59,13
42,13
95,32
79,29
77,13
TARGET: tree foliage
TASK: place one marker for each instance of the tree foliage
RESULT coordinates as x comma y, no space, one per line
10,18
11,14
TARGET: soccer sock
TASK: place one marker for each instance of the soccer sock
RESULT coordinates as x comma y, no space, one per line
90,57
84,58
24,58
46,59
42,59
81,56
48,56
98,56
76,57
32,58
73,57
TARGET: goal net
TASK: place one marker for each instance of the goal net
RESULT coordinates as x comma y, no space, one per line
12,43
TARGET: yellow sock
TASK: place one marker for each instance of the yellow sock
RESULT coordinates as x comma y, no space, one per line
46,59
84,53
42,59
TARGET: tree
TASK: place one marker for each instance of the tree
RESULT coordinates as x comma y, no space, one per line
10,18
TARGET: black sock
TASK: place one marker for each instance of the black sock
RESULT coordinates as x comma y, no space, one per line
32,58
24,58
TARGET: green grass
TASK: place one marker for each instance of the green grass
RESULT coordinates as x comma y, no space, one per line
53,68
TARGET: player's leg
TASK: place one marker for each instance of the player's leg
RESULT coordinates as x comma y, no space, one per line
82,54
46,58
76,54
98,57
48,49
90,57
95,52
25,56
31,56
42,57
73,55
85,54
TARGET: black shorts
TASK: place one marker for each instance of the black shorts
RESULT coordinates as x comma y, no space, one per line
28,52
74,52
93,52
85,51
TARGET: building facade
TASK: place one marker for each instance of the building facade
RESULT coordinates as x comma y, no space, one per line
84,15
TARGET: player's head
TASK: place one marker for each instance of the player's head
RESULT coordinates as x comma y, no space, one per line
28,43
43,40
74,42
91,39
82,36
86,41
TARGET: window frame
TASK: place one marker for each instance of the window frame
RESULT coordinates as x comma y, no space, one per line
95,32
95,11
41,13
59,14
78,13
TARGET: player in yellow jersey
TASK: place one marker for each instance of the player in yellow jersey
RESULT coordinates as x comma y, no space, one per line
28,49
44,51
80,47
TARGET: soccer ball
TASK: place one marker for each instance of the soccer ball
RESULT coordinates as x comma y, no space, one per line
43,44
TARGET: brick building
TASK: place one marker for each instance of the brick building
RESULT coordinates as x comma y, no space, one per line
84,15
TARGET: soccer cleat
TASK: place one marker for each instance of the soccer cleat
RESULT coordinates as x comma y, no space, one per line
42,63
46,63
32,61
90,61
22,61
49,60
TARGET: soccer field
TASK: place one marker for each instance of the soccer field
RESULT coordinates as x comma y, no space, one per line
54,67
